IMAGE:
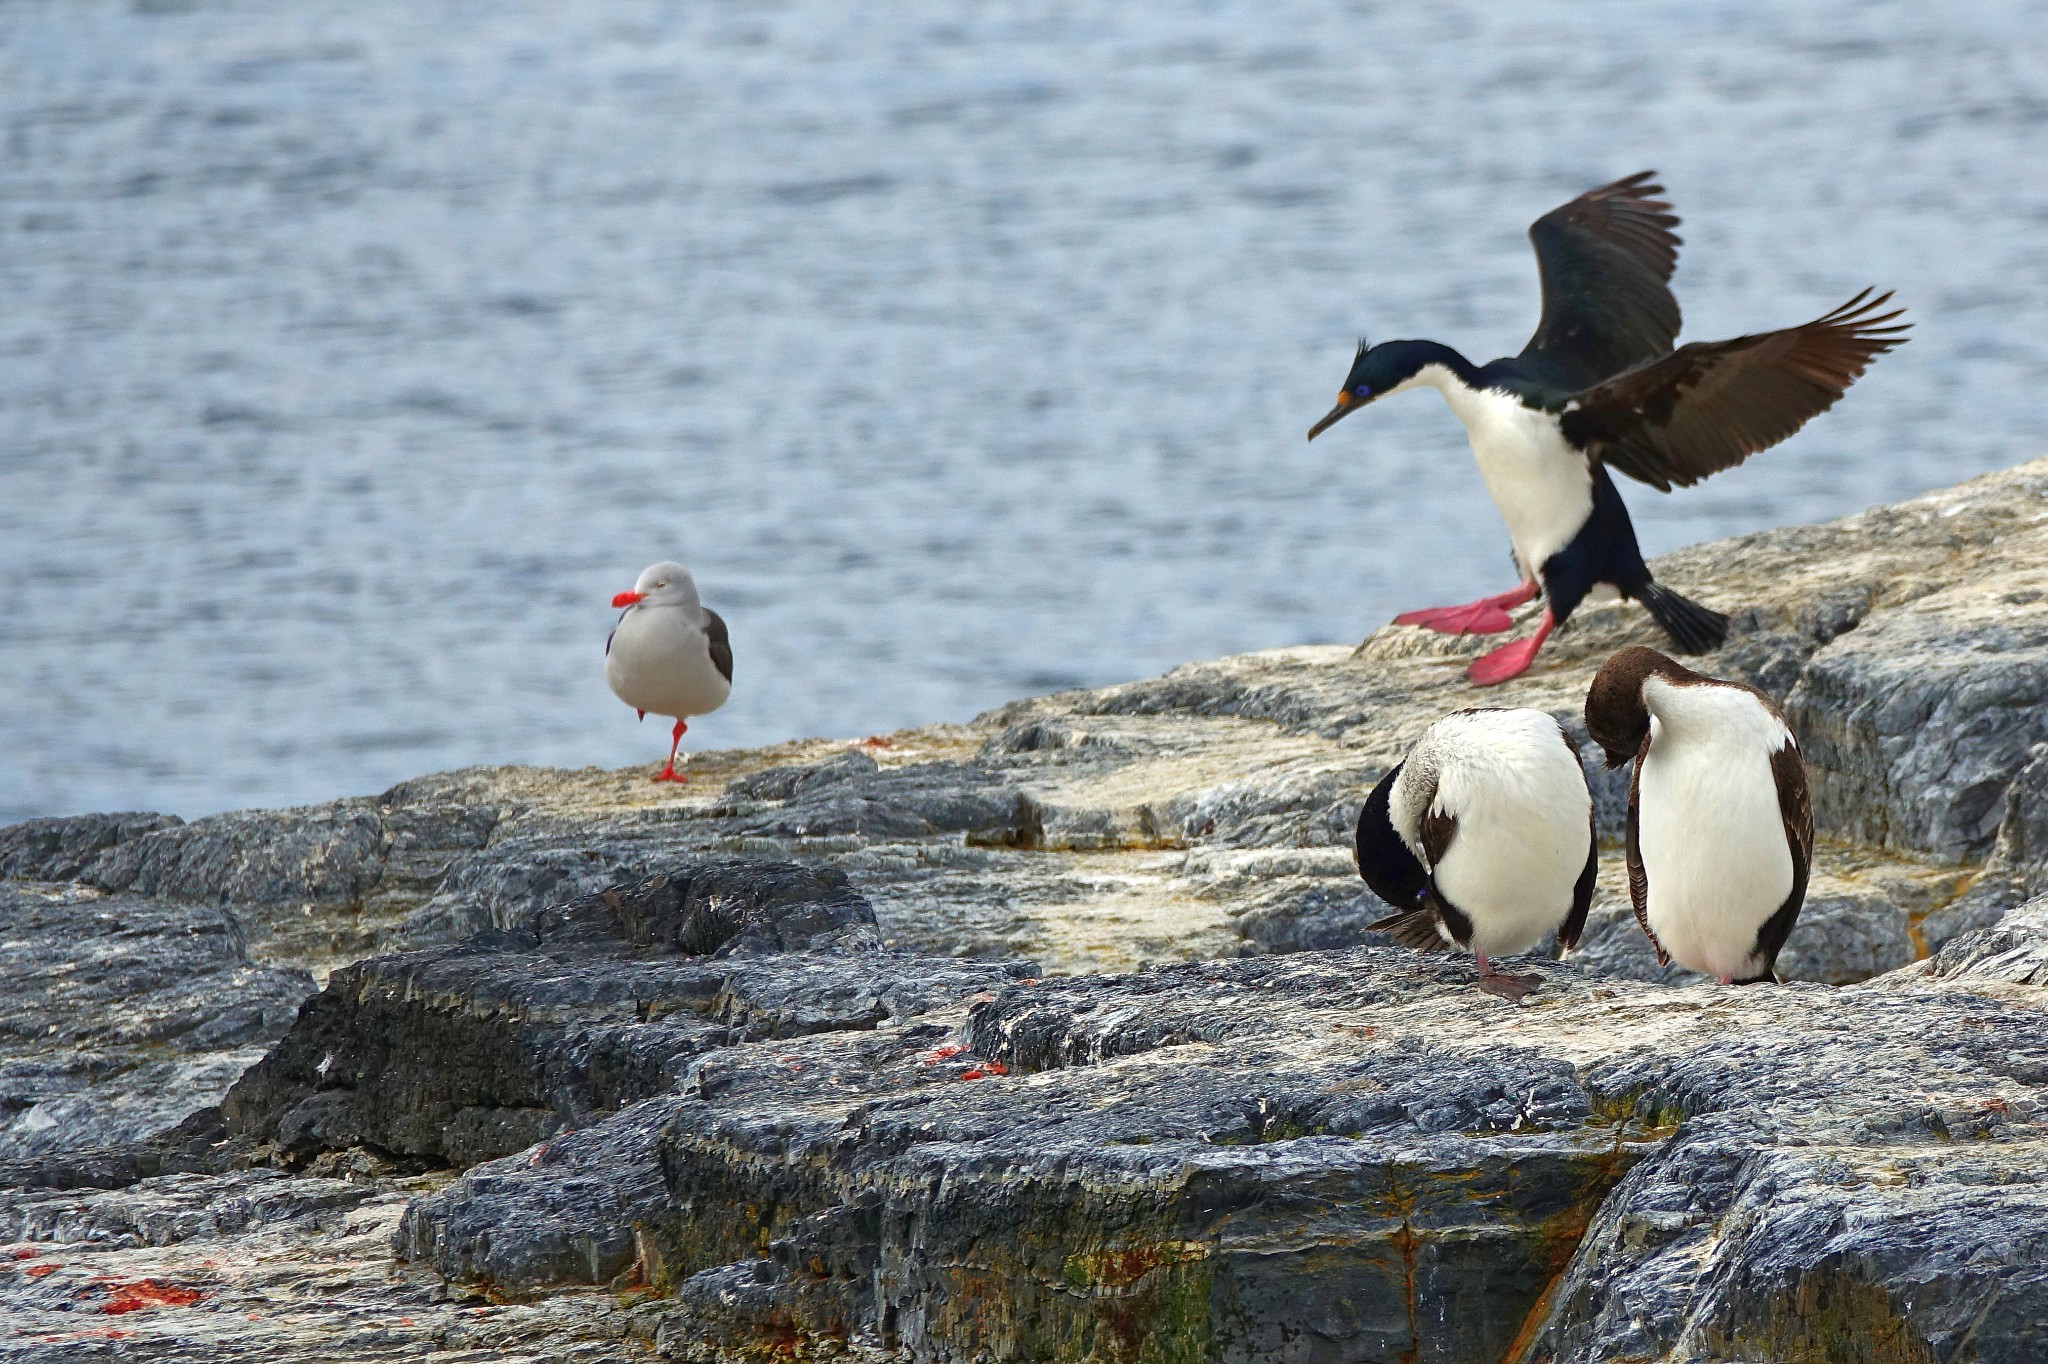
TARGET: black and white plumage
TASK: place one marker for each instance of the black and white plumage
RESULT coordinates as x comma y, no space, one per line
1599,387
669,654
1720,822
1482,838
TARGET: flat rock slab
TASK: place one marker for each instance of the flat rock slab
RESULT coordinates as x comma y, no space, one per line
1342,1155
766,1062
120,1015
465,1053
1208,812
259,1267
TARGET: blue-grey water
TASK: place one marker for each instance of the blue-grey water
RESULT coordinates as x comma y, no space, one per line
352,356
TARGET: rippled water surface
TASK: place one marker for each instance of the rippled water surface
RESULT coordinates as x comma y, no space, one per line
352,356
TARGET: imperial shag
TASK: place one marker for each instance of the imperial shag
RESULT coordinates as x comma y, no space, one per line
1720,825
1599,385
1482,838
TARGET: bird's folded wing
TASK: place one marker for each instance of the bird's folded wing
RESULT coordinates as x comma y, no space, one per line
1708,406
1605,260
720,641
1795,802
1795,806
1638,875
1574,926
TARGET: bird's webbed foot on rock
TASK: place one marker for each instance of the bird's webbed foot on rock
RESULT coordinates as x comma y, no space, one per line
1509,660
1474,618
1514,989
1487,616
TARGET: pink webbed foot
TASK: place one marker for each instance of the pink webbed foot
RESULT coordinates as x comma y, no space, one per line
1509,660
1487,616
669,773
1511,988
1477,618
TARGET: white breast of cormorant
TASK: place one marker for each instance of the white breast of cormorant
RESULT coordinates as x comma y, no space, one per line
1542,487
1709,829
1516,789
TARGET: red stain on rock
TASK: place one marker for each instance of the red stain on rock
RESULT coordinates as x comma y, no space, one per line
24,1253
146,1293
37,1271
986,1069
938,1054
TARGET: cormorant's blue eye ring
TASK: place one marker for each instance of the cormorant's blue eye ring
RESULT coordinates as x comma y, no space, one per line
1364,390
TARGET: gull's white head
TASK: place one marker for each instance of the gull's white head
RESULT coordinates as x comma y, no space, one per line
663,584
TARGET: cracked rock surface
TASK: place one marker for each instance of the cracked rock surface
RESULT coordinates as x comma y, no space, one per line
1059,1035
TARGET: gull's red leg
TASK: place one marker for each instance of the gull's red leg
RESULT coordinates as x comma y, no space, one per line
1509,660
1487,616
669,772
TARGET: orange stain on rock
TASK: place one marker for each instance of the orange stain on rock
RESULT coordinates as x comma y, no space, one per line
147,1293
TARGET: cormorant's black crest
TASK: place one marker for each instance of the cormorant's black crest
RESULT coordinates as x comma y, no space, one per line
1378,370
1383,368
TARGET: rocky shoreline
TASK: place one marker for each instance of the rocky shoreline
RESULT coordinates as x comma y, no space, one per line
1059,1034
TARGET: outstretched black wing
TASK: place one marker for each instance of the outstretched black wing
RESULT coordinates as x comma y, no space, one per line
1710,405
1606,260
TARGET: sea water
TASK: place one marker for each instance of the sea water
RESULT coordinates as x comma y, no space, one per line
352,357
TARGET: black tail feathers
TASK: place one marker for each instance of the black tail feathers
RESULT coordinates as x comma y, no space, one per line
1414,929
1692,627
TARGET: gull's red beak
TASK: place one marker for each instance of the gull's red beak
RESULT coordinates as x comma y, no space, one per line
628,598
